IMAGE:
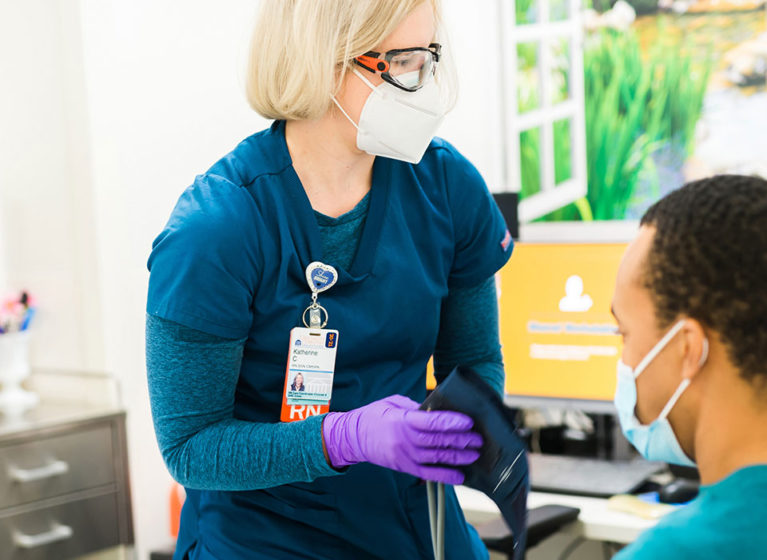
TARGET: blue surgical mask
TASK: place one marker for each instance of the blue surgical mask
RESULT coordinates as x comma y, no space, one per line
655,441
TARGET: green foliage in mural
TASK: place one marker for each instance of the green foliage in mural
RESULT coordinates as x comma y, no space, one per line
636,104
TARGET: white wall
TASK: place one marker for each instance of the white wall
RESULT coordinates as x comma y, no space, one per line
112,109
4,284
44,221
475,125
164,83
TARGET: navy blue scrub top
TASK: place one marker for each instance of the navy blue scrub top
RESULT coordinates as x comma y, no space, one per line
231,262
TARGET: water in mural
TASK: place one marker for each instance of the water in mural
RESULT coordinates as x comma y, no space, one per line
675,90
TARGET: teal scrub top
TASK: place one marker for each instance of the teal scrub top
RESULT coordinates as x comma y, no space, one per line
231,262
727,520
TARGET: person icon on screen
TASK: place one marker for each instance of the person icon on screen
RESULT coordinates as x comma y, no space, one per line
298,383
575,301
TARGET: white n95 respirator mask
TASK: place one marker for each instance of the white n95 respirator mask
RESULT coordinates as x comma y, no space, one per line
655,441
398,124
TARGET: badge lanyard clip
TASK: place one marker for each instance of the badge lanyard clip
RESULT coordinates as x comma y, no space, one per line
315,311
320,277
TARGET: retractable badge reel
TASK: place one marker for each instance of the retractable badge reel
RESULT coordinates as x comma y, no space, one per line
311,354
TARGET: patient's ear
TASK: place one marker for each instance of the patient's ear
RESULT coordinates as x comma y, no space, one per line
696,347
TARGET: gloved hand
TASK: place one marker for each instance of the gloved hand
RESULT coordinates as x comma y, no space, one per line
393,433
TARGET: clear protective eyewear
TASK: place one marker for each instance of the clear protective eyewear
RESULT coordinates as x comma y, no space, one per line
407,69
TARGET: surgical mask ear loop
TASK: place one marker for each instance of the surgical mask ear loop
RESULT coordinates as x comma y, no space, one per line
684,384
704,354
658,348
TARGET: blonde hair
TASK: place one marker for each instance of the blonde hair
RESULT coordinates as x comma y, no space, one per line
301,50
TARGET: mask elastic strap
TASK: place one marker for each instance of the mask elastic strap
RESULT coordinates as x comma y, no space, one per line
333,97
675,397
367,82
704,354
683,385
363,78
658,348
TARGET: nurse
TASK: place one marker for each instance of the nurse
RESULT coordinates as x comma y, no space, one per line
347,222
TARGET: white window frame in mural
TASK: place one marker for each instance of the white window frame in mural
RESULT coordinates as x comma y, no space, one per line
552,196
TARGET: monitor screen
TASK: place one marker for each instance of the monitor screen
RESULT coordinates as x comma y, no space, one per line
557,334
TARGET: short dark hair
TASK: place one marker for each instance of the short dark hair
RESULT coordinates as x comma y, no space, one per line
708,261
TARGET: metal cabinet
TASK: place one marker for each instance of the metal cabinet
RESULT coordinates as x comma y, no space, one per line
64,488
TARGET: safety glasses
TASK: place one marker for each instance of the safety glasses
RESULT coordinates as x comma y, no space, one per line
407,69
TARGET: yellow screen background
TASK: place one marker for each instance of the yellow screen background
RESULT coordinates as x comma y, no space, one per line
531,285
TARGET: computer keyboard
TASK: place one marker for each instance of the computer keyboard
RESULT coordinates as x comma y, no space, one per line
588,477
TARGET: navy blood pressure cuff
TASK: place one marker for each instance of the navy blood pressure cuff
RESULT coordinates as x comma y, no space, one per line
501,471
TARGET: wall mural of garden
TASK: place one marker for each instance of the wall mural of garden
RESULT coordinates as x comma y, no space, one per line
675,90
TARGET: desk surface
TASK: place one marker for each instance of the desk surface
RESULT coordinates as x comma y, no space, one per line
595,522
54,415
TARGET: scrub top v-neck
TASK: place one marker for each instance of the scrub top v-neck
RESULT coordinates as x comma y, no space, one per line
231,262
365,255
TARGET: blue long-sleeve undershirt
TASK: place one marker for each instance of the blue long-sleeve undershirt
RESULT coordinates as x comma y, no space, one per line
192,376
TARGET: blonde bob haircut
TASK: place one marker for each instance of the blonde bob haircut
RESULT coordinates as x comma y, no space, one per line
302,50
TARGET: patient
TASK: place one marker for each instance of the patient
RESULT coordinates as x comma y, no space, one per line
691,305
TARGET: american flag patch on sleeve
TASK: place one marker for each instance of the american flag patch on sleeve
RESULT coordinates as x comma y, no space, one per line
506,241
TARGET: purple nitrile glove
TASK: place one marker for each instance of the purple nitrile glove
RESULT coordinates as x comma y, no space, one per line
393,433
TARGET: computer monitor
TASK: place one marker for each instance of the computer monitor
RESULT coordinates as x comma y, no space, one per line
558,337
508,203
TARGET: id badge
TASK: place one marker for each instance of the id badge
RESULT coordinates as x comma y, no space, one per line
309,373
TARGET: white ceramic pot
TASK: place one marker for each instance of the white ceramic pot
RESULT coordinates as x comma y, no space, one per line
14,369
